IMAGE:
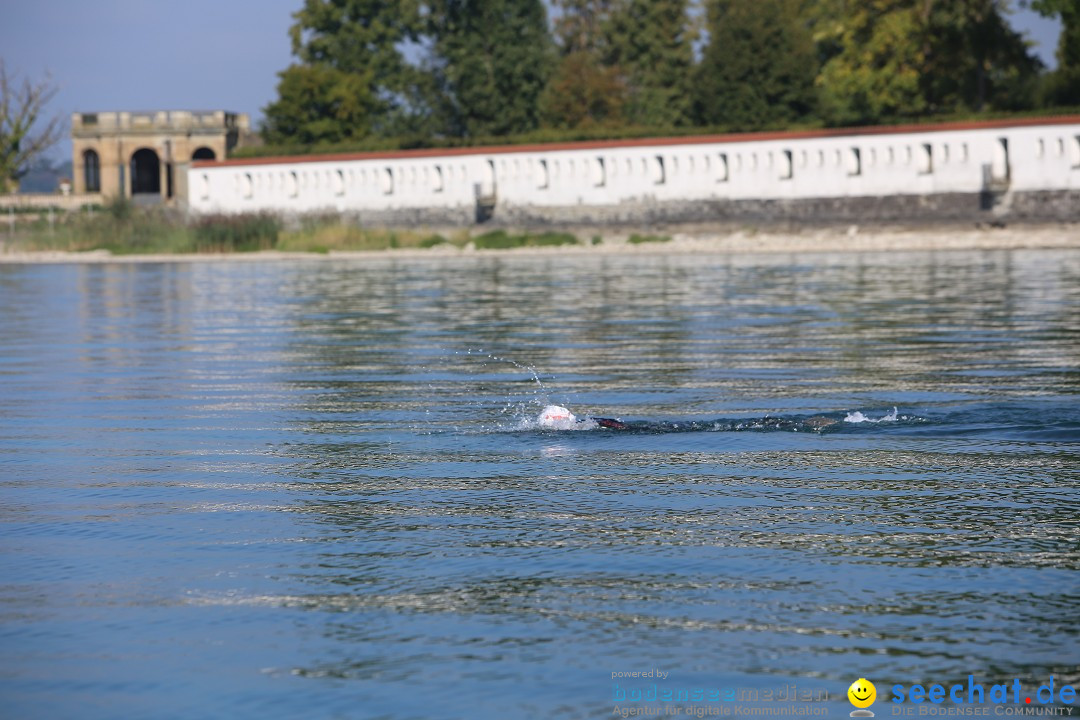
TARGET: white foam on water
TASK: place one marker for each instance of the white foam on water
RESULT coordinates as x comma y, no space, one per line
858,417
563,425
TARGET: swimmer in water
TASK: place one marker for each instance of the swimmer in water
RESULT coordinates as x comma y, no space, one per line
556,417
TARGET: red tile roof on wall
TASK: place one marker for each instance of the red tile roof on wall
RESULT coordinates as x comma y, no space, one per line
647,142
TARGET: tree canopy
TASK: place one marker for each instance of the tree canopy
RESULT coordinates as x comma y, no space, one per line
650,42
1062,87
416,71
759,66
585,89
320,104
493,59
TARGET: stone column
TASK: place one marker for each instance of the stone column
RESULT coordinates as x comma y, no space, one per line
164,158
78,172
125,169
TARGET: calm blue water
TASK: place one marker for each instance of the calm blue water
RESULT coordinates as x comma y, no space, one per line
310,489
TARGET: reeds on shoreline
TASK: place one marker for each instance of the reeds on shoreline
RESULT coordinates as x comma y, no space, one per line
121,228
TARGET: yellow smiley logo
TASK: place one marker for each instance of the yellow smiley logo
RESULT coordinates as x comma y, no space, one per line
862,693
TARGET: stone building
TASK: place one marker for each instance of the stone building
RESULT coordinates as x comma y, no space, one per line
145,155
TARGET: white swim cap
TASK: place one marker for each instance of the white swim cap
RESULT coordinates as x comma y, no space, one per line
556,416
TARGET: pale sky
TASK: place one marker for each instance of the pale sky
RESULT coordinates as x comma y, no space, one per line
191,55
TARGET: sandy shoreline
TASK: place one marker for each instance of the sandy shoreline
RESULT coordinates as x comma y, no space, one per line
685,241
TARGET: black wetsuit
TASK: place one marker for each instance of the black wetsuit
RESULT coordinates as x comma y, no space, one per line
815,423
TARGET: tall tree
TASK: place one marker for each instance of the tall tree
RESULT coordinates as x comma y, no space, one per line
25,133
341,45
906,58
319,104
583,93
1063,86
493,58
975,60
759,66
584,90
651,41
877,73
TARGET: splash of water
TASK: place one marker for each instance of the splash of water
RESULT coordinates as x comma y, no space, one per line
527,368
532,423
858,417
540,393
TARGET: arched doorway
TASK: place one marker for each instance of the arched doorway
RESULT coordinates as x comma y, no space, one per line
91,171
145,173
203,153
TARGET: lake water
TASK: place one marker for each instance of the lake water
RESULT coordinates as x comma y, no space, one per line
311,489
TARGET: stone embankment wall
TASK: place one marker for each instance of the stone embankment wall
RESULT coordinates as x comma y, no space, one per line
1025,170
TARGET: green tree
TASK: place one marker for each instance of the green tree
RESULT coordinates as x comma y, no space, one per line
906,58
22,137
583,24
825,21
583,93
974,58
651,42
877,73
1063,85
350,46
318,104
584,90
493,58
759,65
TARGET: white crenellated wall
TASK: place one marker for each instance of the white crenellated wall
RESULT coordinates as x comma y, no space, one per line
1033,156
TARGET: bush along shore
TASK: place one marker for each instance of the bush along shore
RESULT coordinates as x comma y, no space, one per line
122,228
